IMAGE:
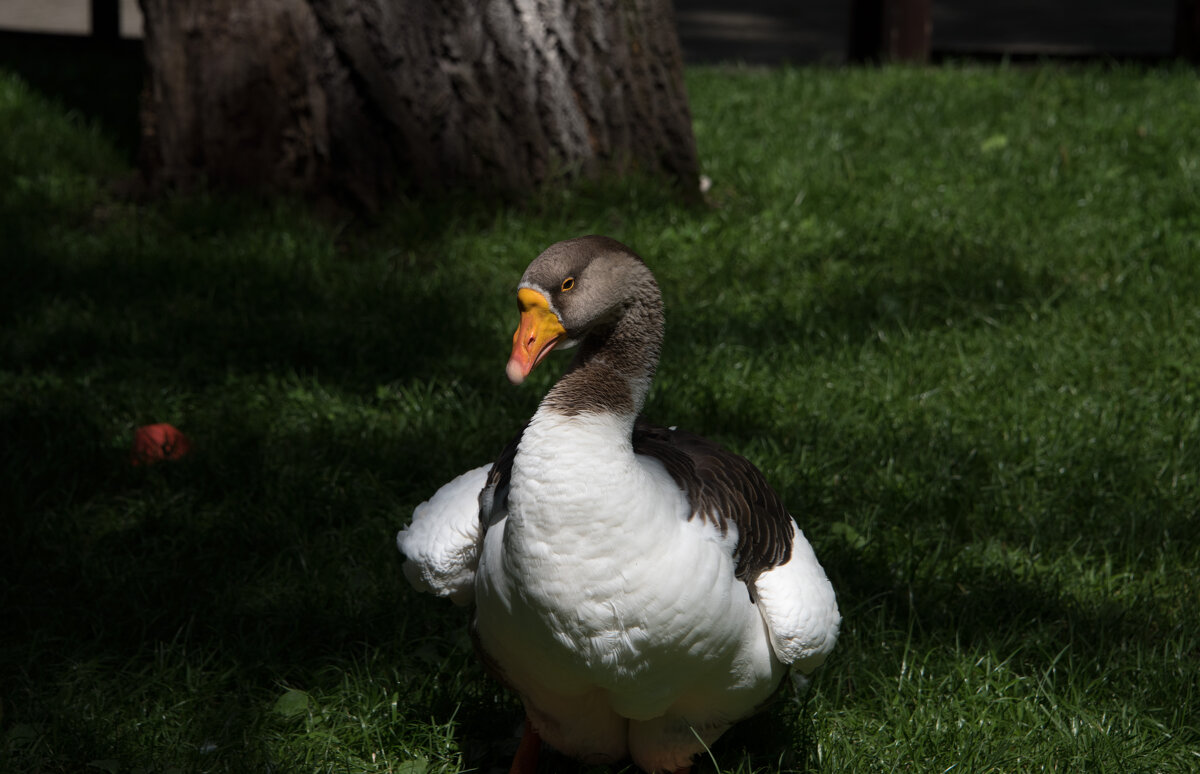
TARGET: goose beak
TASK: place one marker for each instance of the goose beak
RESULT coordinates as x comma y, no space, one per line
539,332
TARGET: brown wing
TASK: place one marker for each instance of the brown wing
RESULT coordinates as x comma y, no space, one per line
494,496
723,487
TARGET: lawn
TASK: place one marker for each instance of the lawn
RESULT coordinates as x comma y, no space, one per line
952,313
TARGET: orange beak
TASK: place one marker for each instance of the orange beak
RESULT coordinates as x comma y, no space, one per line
539,332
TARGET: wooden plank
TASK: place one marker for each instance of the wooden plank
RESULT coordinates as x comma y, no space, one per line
1187,30
908,27
890,30
106,19
865,43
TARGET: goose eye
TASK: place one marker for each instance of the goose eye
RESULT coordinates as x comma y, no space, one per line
568,283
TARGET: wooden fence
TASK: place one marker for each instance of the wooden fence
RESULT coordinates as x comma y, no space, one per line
879,30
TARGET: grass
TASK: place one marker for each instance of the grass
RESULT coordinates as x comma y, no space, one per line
951,313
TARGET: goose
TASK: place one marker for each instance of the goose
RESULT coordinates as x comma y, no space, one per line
640,588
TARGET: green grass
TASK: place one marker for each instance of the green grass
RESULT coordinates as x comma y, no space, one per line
952,314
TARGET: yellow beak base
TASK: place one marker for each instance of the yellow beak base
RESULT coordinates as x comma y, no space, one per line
539,332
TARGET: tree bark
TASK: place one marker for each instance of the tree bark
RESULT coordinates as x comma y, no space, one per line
353,97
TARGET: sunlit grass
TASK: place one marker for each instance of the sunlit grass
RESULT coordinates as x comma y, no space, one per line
951,313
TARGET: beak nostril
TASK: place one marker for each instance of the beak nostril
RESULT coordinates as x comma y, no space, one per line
539,331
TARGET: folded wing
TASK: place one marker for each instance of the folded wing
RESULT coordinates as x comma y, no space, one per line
773,557
441,545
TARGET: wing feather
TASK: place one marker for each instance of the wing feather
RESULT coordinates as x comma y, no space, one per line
441,545
724,488
773,557
493,499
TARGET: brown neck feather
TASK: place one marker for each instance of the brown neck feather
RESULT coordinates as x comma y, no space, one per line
616,362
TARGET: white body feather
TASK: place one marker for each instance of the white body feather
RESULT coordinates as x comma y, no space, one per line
618,619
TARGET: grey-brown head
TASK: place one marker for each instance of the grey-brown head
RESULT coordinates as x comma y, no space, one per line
574,288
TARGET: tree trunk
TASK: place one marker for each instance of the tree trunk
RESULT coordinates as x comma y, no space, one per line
352,97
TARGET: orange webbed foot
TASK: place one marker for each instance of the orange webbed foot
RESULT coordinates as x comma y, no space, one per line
526,759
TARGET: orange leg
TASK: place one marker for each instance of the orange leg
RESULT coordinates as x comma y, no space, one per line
526,759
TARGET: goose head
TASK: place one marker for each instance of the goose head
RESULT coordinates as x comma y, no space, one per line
579,291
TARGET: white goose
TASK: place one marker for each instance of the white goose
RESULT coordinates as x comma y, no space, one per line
641,588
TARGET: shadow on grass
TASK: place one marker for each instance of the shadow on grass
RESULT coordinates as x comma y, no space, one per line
192,315
100,80
928,283
780,738
259,549
275,569
943,559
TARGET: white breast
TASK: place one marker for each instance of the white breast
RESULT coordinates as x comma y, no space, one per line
597,579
